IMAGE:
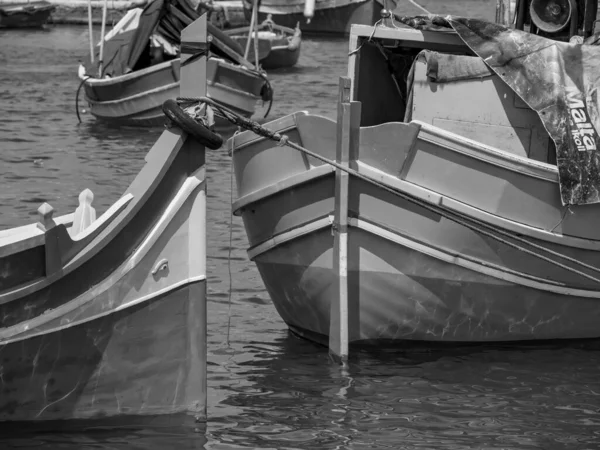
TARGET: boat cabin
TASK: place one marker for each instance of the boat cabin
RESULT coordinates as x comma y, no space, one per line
402,74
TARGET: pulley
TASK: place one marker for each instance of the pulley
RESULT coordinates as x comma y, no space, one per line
551,16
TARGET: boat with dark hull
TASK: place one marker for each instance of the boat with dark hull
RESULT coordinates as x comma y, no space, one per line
415,219
331,17
25,15
103,320
279,47
141,68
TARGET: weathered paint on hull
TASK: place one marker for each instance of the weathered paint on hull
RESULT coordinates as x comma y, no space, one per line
140,361
414,273
398,293
136,99
329,21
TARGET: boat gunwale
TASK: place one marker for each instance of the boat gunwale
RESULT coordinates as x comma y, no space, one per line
192,183
280,125
144,183
103,82
30,235
241,30
419,192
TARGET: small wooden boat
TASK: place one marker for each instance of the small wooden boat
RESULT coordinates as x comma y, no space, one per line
434,209
279,46
103,320
141,68
25,15
331,17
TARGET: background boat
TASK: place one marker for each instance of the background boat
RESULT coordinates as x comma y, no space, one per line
141,68
331,17
279,46
25,15
104,319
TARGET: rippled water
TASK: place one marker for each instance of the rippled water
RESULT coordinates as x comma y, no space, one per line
267,388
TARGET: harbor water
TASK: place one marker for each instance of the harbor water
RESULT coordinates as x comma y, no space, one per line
267,388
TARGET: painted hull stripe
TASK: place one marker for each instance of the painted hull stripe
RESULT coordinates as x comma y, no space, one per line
424,249
137,301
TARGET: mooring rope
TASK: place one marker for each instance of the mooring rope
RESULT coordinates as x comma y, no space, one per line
458,217
85,78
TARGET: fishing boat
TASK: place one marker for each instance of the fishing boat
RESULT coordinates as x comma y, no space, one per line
456,197
279,46
103,319
25,15
325,17
139,68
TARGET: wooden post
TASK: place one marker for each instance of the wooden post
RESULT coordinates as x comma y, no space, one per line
52,248
309,10
102,34
503,12
194,51
194,54
348,135
90,31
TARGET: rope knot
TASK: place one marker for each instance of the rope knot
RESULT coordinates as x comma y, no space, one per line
281,140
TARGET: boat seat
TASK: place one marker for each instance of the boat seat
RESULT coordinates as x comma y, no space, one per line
461,94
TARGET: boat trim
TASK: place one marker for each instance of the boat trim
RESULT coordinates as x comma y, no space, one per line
283,185
281,125
470,264
289,235
155,294
420,193
101,82
436,199
174,85
486,153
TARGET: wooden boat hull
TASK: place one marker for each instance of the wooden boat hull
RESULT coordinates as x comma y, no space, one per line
103,320
136,99
281,57
330,18
277,52
414,274
133,362
25,15
122,334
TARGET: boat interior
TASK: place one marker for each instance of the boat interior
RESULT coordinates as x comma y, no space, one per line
150,36
425,75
